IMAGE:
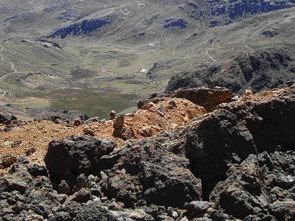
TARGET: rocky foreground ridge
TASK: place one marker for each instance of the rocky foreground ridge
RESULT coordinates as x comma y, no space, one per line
233,161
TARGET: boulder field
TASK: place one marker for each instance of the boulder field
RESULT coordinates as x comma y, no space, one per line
236,162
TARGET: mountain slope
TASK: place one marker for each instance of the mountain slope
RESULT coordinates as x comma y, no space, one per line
124,50
258,70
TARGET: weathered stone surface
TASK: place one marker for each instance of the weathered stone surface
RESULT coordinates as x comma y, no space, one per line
212,142
206,97
249,191
7,160
68,158
24,195
243,175
235,130
283,210
196,208
146,171
271,122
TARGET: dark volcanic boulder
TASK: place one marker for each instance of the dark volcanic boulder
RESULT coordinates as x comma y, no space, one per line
270,121
235,130
213,143
148,172
262,69
26,193
251,189
68,158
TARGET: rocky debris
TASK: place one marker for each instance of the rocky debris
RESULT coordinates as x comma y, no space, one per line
82,196
94,210
142,123
88,131
121,130
77,122
7,119
7,160
29,151
146,172
283,210
155,115
250,188
68,158
28,195
160,113
59,120
196,208
16,144
261,69
206,97
113,115
236,130
80,120
84,117
24,196
237,162
209,98
119,122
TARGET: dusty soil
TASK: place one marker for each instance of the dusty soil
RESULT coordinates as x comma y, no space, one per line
153,118
150,120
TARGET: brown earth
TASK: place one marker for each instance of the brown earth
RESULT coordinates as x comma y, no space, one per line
151,119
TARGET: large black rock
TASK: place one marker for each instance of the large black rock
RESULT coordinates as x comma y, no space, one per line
212,144
235,130
150,173
68,158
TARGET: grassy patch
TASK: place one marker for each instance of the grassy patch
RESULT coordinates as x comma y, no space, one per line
92,103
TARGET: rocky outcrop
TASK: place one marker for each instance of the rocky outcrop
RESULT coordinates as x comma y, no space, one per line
206,97
236,130
237,162
213,143
69,158
209,98
154,116
26,193
261,186
262,69
147,173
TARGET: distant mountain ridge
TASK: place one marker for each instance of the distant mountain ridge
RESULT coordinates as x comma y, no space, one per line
176,15
262,69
